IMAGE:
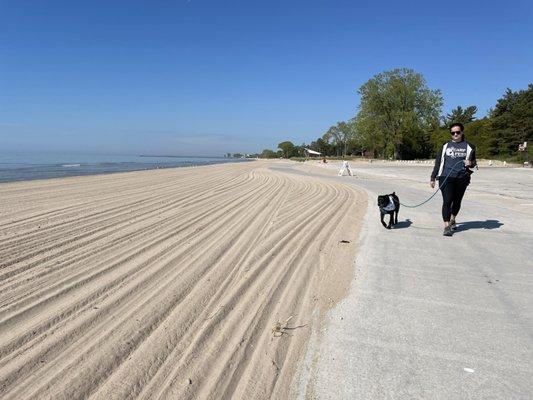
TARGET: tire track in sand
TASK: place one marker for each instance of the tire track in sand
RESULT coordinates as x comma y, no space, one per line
174,290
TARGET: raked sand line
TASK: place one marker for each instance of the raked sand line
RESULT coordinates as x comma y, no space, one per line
167,283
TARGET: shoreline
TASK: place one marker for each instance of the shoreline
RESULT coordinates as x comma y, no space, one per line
107,172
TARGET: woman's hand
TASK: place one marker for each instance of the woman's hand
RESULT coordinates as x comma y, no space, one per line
432,184
468,163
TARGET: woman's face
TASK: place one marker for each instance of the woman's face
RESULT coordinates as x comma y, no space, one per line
457,134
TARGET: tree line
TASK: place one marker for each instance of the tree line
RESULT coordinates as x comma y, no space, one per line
400,117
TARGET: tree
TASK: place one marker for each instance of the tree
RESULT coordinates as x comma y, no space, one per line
287,149
396,113
341,134
267,153
299,151
477,132
512,119
329,140
480,134
322,146
459,115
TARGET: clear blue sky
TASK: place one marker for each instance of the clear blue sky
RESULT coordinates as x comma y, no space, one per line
206,77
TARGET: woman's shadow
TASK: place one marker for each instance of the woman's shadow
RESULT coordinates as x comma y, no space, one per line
488,224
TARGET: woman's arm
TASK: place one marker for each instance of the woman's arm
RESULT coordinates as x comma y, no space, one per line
471,162
437,166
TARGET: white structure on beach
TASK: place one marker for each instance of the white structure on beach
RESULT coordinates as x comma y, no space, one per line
309,152
345,168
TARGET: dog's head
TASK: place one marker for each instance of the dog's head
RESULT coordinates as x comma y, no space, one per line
383,201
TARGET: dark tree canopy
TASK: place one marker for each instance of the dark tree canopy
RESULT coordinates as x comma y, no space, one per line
459,115
287,148
512,119
267,153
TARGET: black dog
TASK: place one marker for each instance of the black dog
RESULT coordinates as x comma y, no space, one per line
389,204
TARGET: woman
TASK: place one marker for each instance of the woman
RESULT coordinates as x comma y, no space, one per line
454,160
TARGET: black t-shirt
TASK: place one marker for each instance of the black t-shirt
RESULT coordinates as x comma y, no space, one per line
454,158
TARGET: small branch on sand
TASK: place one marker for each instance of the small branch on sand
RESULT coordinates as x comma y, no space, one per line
280,329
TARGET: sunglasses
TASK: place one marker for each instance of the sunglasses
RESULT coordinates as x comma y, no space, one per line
456,132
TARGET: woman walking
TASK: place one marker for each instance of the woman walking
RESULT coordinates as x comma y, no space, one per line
454,160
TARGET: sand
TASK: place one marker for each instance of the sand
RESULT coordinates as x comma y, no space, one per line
184,283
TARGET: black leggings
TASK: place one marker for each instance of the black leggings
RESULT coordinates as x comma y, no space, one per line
452,194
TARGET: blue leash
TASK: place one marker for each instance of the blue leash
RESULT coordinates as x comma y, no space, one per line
436,191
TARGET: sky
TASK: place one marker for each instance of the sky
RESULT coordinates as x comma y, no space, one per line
206,77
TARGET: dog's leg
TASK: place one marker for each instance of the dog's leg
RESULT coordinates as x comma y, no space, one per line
382,221
391,219
397,212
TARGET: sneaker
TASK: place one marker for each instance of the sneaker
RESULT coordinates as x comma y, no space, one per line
453,225
447,231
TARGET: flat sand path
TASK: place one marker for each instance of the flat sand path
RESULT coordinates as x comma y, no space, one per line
181,283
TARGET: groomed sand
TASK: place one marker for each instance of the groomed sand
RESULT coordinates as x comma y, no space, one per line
168,283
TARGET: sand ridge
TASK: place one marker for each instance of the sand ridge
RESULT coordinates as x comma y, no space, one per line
167,283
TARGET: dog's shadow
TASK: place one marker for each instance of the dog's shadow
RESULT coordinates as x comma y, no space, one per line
403,224
488,224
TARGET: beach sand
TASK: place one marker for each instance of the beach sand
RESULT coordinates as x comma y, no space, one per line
178,283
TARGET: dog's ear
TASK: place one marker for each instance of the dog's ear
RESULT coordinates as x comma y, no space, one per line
393,193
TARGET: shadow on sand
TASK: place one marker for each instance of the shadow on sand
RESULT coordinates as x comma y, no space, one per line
488,224
403,224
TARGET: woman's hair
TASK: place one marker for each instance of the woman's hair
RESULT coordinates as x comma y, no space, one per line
459,125
463,137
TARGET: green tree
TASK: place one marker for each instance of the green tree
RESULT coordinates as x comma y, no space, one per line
267,153
459,115
479,133
330,140
354,145
437,137
299,151
322,146
512,120
341,135
396,112
287,149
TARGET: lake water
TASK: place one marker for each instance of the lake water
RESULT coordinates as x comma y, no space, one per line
29,166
